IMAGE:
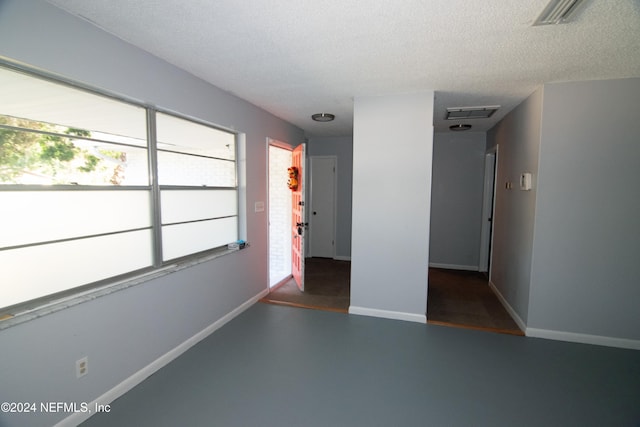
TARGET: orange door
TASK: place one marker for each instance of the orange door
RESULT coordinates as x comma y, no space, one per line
297,218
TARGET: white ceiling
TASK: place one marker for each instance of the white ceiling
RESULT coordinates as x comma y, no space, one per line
294,58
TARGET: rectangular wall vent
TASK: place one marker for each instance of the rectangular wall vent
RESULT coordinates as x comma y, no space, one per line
557,12
460,113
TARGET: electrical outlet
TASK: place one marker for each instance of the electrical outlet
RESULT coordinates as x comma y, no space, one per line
82,367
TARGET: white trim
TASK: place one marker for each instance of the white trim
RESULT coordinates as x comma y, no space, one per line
454,266
583,338
507,306
279,144
563,335
386,314
241,176
144,373
342,257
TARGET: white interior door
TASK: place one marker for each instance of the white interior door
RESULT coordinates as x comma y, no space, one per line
322,207
487,211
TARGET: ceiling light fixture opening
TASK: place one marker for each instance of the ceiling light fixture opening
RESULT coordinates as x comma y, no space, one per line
558,12
460,127
482,112
323,117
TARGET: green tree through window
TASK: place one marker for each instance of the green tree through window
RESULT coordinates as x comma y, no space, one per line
37,149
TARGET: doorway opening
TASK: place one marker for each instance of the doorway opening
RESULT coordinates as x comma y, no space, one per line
317,281
280,205
464,298
327,287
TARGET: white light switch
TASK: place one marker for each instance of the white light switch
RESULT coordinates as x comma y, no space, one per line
259,207
525,181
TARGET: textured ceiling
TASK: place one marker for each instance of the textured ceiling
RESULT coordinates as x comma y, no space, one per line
294,58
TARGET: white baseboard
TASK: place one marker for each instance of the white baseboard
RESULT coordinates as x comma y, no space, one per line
386,314
454,266
563,335
342,257
583,338
144,373
507,306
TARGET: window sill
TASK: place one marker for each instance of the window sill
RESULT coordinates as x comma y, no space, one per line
89,295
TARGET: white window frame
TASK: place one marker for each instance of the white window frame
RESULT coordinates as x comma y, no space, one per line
158,265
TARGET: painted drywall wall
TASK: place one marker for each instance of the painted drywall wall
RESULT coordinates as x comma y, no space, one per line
584,276
123,332
342,148
518,140
456,199
391,205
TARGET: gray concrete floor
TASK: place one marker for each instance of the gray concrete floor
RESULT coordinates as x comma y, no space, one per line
282,366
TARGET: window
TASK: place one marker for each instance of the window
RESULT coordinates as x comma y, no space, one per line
197,176
86,195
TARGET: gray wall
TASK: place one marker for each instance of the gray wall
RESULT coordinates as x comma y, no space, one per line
566,253
391,207
456,199
123,332
342,148
518,140
586,249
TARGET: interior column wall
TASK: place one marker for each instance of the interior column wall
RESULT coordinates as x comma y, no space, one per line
392,158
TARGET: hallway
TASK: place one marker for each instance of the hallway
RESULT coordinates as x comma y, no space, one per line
464,299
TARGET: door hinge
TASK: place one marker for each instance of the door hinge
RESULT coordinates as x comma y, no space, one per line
300,203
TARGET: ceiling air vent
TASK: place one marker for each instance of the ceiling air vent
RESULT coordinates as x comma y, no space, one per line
557,12
459,113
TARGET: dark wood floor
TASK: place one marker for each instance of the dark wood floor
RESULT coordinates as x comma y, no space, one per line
327,287
456,298
464,299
